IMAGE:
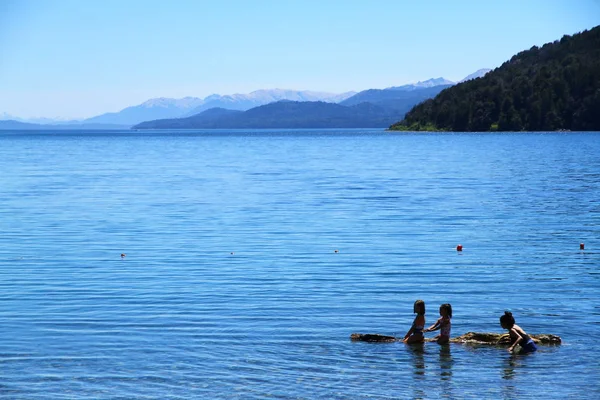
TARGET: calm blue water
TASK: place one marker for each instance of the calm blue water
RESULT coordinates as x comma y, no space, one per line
231,287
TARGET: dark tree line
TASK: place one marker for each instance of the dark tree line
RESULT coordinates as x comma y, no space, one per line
554,87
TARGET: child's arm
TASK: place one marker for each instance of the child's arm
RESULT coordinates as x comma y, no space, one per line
410,331
517,340
434,327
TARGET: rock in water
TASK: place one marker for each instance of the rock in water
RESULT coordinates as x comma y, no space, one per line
503,339
498,339
372,337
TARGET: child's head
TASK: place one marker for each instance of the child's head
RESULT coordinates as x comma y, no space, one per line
419,307
507,320
447,308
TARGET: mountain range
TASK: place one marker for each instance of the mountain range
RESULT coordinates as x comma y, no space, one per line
282,114
373,108
178,108
17,125
6,117
397,99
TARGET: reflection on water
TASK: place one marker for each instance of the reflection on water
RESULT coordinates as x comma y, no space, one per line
510,364
508,369
438,361
446,371
445,362
417,352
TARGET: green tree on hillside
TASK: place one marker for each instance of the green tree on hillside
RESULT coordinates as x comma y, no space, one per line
556,86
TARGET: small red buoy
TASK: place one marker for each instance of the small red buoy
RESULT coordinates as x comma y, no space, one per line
581,246
459,247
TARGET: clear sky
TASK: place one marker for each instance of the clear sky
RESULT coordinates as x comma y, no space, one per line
80,58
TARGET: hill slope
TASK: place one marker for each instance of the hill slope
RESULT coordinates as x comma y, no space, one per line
554,87
209,119
400,101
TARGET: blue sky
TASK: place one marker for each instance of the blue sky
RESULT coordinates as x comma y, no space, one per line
77,58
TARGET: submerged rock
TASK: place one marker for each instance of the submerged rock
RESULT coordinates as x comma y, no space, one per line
498,339
373,337
502,339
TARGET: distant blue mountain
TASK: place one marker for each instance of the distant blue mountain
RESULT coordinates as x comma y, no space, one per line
151,109
258,98
41,120
395,99
12,124
213,118
423,85
16,125
400,99
370,108
282,114
166,108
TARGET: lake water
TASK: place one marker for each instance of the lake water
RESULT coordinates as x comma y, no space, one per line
231,286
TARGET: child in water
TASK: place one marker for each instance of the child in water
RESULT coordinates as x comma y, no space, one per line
415,334
517,335
443,324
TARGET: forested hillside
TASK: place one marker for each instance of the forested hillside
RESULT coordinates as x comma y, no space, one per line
555,87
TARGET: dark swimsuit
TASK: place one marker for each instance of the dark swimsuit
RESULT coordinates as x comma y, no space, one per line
527,345
418,326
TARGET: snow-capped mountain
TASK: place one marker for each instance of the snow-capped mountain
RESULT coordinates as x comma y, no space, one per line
439,81
162,108
151,109
477,74
422,85
164,102
403,98
243,102
6,117
270,95
41,120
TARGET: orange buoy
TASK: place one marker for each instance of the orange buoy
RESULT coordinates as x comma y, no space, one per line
459,247
581,246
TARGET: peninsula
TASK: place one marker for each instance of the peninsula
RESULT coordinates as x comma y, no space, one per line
555,87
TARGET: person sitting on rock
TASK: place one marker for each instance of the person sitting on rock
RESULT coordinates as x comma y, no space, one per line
415,333
443,324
